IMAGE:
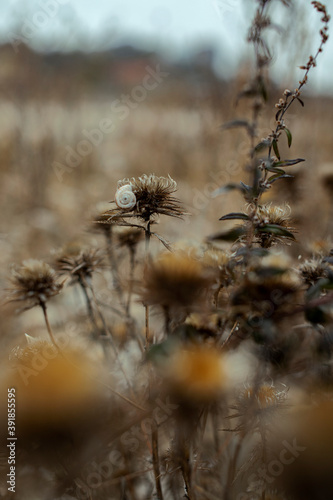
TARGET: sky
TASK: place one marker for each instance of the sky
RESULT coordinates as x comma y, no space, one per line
176,27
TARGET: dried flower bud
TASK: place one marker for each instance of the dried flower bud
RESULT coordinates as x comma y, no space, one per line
34,283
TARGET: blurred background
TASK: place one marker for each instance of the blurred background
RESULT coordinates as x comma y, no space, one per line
93,92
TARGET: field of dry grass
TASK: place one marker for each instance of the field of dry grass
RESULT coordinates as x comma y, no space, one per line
139,362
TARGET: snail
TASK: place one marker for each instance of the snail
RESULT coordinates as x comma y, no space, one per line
125,198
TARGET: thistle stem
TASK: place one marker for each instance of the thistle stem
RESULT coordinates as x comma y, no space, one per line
167,320
92,316
154,436
232,470
186,464
131,278
147,238
156,463
147,254
48,326
113,263
88,302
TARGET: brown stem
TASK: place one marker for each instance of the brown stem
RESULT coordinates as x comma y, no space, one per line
92,316
113,264
88,303
264,455
48,326
186,468
156,463
154,436
147,249
216,295
147,238
147,344
167,320
232,472
131,279
230,335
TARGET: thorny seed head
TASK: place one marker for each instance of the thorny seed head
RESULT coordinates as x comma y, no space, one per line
34,283
269,214
313,269
153,197
257,405
265,396
69,376
79,263
175,280
195,374
25,355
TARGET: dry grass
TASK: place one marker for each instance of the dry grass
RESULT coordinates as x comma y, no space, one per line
177,372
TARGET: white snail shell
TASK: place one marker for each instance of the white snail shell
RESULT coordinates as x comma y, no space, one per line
125,198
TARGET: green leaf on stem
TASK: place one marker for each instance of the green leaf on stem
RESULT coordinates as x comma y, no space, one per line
277,230
275,177
288,163
276,149
235,215
289,136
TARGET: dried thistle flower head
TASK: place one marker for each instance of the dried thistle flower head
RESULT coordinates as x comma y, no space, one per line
146,197
257,405
175,280
270,215
58,389
263,397
195,374
79,263
34,283
34,345
313,269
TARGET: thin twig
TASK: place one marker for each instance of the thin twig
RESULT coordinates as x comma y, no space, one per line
48,326
113,263
156,462
131,279
230,335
